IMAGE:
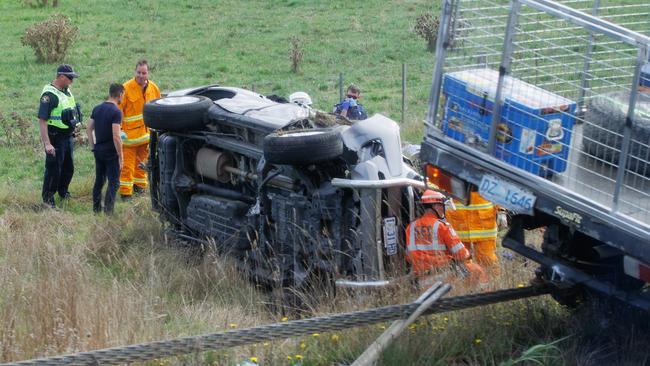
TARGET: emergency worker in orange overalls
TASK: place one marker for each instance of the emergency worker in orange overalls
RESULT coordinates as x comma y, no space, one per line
476,225
135,143
432,245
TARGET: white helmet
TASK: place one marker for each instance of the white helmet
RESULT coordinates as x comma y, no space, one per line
300,98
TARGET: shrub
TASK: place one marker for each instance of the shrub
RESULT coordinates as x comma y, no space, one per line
295,53
426,26
17,130
51,38
40,3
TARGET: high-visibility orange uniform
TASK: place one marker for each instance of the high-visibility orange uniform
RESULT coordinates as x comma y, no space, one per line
476,225
136,144
432,244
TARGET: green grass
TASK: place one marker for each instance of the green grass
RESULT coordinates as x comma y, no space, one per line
246,44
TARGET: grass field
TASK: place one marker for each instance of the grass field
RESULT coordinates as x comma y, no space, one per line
74,281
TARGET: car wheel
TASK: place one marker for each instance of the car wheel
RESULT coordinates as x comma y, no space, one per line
176,114
602,135
303,147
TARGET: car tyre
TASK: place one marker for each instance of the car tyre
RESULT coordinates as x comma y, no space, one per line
303,147
177,114
602,134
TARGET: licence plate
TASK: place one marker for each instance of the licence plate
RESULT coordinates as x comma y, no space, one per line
390,235
506,194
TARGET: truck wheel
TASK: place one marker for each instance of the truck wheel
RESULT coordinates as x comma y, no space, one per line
303,147
602,134
176,114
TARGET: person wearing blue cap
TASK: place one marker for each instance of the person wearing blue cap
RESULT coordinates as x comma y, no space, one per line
58,115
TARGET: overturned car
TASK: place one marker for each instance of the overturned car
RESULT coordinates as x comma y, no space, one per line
292,194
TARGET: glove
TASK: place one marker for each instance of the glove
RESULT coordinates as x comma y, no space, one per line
122,135
353,102
502,220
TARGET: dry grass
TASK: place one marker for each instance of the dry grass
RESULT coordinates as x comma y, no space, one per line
73,281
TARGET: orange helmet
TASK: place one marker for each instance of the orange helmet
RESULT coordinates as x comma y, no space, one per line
430,196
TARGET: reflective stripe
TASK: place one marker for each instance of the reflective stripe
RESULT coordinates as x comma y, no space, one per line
57,118
456,248
478,234
140,180
126,184
133,118
136,141
434,245
474,207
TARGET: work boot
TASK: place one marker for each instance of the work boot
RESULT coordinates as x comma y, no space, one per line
49,201
66,196
137,190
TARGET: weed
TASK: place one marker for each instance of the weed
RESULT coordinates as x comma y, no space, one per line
51,38
295,53
17,130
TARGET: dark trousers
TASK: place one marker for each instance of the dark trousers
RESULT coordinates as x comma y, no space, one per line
59,168
107,166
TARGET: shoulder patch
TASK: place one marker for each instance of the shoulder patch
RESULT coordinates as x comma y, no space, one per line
45,98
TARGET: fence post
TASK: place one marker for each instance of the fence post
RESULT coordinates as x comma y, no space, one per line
403,90
340,87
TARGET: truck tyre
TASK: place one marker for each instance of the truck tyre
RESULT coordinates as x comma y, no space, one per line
303,147
176,114
602,134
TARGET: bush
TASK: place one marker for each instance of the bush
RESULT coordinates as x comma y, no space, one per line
295,53
51,38
426,26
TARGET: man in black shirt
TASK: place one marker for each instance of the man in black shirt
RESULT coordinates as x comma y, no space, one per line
105,122
58,115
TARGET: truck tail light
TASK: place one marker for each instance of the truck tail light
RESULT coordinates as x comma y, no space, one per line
637,269
454,186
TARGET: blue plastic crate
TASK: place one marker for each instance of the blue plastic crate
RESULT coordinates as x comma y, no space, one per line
535,128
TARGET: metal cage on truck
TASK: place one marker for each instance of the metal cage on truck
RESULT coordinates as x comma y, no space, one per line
544,108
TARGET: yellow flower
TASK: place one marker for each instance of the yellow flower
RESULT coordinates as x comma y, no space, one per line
265,344
302,345
382,327
478,340
413,326
284,319
298,357
445,319
316,335
520,285
232,325
334,338
253,359
289,357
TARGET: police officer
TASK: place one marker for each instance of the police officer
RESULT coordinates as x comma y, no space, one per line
58,115
350,106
